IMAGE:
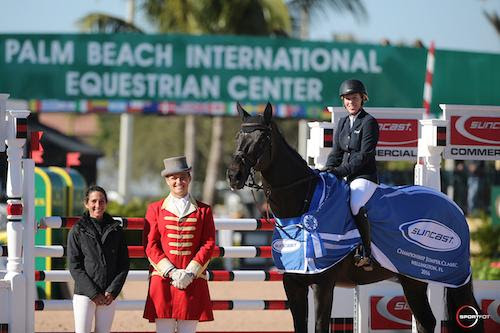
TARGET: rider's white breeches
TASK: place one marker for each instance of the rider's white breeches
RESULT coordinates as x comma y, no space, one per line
361,191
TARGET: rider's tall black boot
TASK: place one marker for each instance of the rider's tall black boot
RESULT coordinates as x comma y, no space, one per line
363,259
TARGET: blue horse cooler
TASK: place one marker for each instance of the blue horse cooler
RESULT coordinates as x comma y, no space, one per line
416,231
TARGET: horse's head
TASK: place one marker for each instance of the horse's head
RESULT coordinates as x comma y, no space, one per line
253,146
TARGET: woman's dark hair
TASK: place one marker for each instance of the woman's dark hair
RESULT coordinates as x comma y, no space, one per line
95,188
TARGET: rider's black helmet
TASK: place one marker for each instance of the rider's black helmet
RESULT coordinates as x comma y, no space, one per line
353,86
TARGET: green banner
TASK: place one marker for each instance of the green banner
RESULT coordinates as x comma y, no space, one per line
119,68
466,78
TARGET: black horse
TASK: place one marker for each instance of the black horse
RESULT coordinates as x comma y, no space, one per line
289,184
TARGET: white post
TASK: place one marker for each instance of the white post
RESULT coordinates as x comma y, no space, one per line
126,135
427,173
29,240
430,147
302,138
16,138
126,139
311,315
4,302
319,144
361,310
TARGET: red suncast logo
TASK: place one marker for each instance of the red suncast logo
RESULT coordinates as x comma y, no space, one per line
476,131
491,307
398,132
389,313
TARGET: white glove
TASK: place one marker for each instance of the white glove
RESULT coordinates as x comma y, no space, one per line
175,274
184,280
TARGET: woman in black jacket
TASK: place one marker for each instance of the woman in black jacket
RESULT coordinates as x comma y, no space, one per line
98,262
353,157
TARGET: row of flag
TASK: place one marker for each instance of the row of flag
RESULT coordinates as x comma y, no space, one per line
175,108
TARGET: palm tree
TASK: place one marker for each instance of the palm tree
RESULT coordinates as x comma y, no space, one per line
494,19
308,8
104,23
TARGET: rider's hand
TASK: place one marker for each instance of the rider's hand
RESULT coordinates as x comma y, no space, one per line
335,172
331,169
326,169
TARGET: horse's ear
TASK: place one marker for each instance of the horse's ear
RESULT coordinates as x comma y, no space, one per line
243,114
268,113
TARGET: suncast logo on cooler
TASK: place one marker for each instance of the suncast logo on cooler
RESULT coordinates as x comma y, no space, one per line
430,235
285,245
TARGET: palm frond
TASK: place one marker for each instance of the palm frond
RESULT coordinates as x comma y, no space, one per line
322,7
494,19
104,23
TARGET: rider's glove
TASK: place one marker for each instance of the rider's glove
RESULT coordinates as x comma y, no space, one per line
332,170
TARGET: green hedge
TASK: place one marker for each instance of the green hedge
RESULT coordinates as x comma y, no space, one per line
483,270
488,238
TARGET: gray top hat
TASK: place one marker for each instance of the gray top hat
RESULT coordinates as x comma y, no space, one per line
175,165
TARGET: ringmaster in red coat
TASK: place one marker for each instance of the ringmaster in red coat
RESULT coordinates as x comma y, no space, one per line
179,236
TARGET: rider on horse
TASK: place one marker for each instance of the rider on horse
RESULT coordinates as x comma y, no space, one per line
419,234
353,157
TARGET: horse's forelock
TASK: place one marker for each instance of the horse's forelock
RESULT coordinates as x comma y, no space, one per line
257,119
254,123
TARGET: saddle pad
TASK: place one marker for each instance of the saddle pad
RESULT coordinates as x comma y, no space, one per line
421,233
416,231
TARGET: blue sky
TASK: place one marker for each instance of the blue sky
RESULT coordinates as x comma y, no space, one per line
452,24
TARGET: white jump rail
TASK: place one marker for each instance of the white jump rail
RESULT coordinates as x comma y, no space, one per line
247,224
138,305
142,275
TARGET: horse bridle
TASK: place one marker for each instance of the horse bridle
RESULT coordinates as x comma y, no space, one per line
250,164
246,160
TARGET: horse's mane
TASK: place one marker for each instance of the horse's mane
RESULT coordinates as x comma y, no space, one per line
279,138
290,180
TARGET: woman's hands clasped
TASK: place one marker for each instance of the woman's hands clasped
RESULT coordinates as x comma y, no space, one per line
103,299
181,279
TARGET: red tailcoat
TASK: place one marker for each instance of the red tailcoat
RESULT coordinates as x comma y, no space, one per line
178,239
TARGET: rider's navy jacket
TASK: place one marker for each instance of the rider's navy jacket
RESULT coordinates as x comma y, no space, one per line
98,261
353,153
